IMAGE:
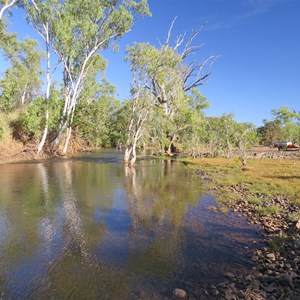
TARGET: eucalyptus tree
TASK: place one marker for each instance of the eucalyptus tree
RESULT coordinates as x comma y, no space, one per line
171,78
290,123
96,107
245,135
82,29
140,108
75,31
270,132
42,15
22,80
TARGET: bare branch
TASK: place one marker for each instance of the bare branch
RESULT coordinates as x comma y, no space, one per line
169,34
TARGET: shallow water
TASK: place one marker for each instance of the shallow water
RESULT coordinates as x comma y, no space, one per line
87,228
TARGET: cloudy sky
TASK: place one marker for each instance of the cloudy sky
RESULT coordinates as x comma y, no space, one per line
257,41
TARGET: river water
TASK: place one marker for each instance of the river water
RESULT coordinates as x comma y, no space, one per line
87,228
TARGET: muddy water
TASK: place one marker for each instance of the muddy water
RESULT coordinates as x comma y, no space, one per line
87,228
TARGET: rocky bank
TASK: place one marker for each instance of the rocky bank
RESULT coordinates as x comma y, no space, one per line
276,274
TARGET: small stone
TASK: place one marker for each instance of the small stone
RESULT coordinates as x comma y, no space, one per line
229,295
269,288
271,256
180,293
297,244
298,225
215,292
229,275
269,279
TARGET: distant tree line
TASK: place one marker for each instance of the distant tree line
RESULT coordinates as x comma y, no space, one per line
166,109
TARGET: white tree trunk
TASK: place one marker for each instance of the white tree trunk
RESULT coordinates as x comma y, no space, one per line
69,132
48,85
42,142
23,97
133,155
127,154
6,6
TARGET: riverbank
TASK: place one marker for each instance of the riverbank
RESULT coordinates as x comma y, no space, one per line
267,192
12,151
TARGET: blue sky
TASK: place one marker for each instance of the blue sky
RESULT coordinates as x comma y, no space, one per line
258,42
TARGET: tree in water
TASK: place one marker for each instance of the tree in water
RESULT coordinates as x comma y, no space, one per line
171,81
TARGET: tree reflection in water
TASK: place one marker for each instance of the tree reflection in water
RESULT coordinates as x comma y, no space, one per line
90,226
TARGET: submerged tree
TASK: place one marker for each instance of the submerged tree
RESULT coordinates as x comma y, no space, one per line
171,80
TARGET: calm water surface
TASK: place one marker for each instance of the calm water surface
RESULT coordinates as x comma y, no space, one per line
87,228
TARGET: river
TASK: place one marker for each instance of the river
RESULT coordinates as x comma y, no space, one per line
87,228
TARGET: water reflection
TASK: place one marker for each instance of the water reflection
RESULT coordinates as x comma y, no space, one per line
90,228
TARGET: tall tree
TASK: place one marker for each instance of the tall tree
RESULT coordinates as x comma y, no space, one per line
22,81
170,79
42,15
290,123
82,29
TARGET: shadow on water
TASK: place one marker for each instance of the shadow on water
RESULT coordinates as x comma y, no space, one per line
88,227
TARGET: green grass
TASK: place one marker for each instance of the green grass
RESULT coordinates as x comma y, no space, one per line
269,177
254,200
276,242
269,210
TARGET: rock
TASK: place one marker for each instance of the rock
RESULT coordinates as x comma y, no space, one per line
298,225
269,279
180,293
229,295
297,244
271,256
287,280
229,275
215,292
269,288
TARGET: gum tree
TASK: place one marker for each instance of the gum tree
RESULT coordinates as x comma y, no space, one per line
42,15
22,81
170,78
82,29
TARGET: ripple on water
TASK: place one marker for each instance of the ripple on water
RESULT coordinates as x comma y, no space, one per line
88,227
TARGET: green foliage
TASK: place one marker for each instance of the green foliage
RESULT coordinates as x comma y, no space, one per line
31,121
270,133
22,81
226,137
92,121
285,127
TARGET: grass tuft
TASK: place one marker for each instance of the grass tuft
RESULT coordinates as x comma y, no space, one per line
270,210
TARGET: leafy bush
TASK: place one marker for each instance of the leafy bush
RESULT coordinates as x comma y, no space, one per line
93,121
31,122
